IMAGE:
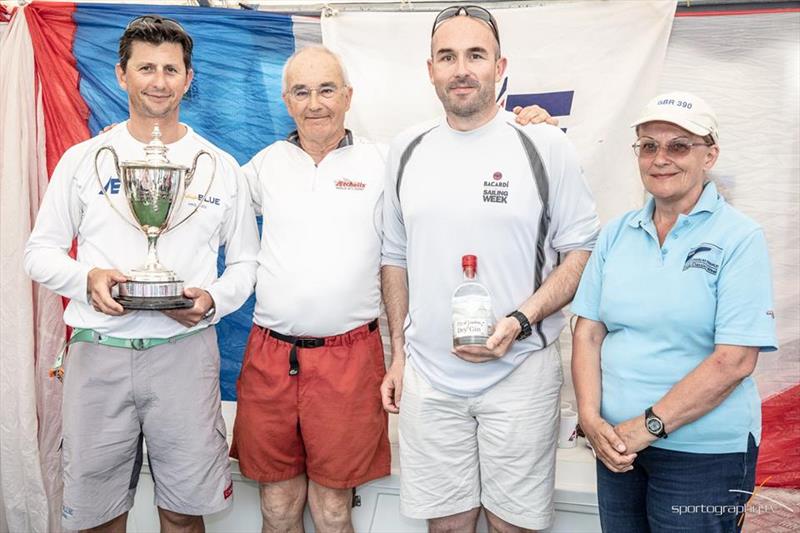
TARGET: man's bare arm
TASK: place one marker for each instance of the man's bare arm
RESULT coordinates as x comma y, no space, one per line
558,288
394,285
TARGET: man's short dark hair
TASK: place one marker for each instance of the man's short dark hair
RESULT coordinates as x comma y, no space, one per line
154,30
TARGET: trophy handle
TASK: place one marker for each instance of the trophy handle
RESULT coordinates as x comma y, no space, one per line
190,175
188,180
119,176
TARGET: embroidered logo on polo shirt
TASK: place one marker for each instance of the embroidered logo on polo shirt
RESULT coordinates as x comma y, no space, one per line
706,256
495,191
350,185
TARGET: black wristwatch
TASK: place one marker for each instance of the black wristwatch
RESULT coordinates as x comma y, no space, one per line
523,321
654,424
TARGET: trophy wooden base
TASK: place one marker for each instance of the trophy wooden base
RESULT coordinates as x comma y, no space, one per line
154,303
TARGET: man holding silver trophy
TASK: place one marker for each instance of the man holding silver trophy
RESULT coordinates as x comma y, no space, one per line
150,203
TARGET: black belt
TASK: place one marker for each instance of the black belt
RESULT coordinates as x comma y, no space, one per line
306,342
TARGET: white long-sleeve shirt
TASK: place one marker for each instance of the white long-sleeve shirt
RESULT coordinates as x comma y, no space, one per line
75,206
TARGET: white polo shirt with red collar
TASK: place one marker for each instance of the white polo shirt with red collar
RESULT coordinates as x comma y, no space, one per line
319,263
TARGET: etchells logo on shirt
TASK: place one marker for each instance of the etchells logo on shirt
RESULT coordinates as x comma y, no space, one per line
706,256
345,184
495,190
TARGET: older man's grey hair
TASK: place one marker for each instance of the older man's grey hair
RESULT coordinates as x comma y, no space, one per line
319,48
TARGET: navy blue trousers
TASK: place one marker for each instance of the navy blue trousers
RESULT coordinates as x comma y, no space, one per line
669,491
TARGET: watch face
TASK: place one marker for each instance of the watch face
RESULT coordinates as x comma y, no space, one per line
654,425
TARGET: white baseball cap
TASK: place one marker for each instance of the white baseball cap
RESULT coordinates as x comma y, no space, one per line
686,110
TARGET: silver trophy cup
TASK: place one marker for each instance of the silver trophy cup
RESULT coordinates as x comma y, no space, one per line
154,189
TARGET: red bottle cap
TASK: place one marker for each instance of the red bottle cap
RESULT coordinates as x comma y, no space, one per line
469,261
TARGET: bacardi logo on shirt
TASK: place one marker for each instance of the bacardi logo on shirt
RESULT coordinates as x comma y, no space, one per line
350,185
495,191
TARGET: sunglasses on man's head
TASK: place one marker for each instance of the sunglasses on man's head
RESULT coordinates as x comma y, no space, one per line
476,12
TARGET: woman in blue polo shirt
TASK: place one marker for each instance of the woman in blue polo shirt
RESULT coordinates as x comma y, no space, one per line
674,306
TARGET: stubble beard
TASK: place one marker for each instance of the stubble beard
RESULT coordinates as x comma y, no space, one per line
152,112
479,102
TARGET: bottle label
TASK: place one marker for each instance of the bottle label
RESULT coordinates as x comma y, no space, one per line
473,319
471,327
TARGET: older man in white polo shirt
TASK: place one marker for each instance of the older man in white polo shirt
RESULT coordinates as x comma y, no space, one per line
309,421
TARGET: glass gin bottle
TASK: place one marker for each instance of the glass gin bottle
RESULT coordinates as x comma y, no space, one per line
473,319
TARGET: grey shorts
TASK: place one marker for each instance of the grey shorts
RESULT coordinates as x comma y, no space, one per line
496,450
167,396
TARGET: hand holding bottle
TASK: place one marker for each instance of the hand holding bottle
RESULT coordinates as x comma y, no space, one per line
476,336
505,332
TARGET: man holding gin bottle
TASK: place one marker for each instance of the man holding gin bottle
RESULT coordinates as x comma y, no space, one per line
478,422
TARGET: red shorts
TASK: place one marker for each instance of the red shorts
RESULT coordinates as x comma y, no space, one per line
326,421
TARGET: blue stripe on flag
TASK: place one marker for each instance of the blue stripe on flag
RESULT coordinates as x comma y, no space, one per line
558,104
235,99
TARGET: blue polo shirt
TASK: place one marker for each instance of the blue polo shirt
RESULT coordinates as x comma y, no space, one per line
666,307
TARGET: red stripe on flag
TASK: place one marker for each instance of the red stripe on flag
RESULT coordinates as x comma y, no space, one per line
66,115
779,454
